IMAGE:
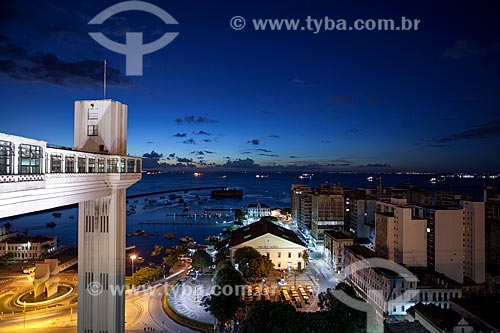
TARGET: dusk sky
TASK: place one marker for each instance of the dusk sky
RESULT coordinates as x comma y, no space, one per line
339,100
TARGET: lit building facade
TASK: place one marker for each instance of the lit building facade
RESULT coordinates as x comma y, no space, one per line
334,250
280,245
456,240
390,293
28,247
399,235
258,210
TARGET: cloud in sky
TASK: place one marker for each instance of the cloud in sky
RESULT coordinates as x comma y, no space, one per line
207,140
191,119
484,130
375,165
274,136
20,65
463,48
247,163
263,150
302,83
201,133
355,130
254,142
153,155
180,135
189,141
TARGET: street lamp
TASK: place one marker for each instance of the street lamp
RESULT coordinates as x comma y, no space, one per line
132,258
24,314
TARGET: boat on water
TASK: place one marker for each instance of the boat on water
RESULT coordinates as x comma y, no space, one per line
50,224
157,251
227,193
56,214
435,180
306,176
169,236
212,239
186,239
371,179
261,176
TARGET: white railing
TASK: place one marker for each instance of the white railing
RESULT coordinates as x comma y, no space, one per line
18,165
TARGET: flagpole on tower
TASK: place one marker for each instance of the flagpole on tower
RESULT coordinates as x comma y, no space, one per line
105,78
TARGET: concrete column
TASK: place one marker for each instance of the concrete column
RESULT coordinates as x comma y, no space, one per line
101,264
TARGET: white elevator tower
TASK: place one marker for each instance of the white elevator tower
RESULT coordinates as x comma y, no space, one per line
101,127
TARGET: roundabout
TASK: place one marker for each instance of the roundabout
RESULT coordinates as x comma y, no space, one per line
27,298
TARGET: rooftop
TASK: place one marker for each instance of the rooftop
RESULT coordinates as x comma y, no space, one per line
260,228
25,239
337,234
486,308
444,319
405,327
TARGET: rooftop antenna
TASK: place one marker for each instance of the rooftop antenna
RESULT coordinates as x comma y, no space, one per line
105,63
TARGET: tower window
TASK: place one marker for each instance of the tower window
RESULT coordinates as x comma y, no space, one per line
93,114
92,130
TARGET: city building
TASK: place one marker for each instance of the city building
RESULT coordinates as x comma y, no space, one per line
436,288
360,211
318,210
28,247
492,226
480,310
399,235
456,240
258,210
390,292
298,190
334,250
438,320
282,246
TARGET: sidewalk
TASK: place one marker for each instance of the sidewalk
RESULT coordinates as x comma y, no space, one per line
186,299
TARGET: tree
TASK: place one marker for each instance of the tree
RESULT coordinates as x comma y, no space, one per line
252,264
260,268
173,255
267,316
223,306
146,274
7,226
201,259
305,257
239,215
244,255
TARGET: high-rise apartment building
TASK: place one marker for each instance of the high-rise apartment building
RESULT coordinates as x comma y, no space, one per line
399,235
456,240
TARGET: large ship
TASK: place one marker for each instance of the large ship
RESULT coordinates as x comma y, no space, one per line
227,193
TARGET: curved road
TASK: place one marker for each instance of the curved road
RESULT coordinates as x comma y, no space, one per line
143,308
